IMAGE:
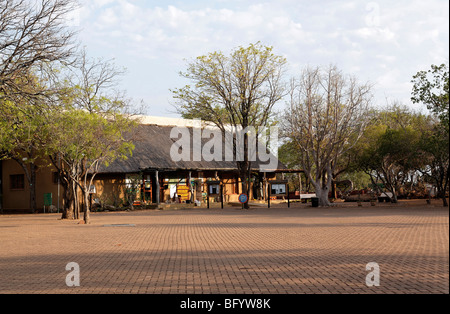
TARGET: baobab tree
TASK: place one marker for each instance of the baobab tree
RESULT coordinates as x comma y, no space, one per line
326,115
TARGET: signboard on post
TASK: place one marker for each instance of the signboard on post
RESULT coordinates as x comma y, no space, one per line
47,200
243,198
214,188
279,188
183,192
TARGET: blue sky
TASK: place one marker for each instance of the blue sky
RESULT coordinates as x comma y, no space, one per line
384,42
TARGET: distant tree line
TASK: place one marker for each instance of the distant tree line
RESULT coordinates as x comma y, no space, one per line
330,128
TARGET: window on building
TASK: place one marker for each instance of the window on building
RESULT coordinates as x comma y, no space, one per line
17,181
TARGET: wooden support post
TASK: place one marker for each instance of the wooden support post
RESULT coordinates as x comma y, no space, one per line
142,188
221,194
207,195
287,188
300,187
191,190
157,187
265,186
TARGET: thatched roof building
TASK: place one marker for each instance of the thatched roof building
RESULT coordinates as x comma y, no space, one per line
162,177
153,143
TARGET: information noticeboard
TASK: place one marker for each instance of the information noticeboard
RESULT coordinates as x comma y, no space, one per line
48,199
213,187
278,188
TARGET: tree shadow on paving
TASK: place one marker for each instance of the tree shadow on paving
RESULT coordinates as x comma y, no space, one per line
293,212
278,269
272,225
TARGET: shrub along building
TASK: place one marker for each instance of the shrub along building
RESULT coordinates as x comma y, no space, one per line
149,176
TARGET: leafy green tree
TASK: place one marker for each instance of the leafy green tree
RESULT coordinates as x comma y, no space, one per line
435,157
389,149
238,90
33,35
432,89
6,129
82,142
23,128
396,154
24,144
87,130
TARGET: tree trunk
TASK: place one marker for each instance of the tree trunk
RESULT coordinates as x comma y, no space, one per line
393,190
76,202
388,182
442,188
441,193
300,188
322,194
87,218
68,201
244,169
322,186
243,175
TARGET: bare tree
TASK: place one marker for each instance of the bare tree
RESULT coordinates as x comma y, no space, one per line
32,33
326,115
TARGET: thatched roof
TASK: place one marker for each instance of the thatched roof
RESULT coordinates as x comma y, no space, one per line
152,152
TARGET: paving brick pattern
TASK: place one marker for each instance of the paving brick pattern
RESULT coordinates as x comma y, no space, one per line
230,251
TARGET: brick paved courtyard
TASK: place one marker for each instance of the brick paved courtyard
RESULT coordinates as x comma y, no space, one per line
230,251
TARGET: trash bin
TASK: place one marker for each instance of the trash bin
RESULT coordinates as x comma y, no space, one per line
315,201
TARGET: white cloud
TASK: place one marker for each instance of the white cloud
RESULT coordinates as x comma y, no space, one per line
380,41
180,33
380,35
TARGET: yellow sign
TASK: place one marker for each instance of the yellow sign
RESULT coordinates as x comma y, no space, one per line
183,192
